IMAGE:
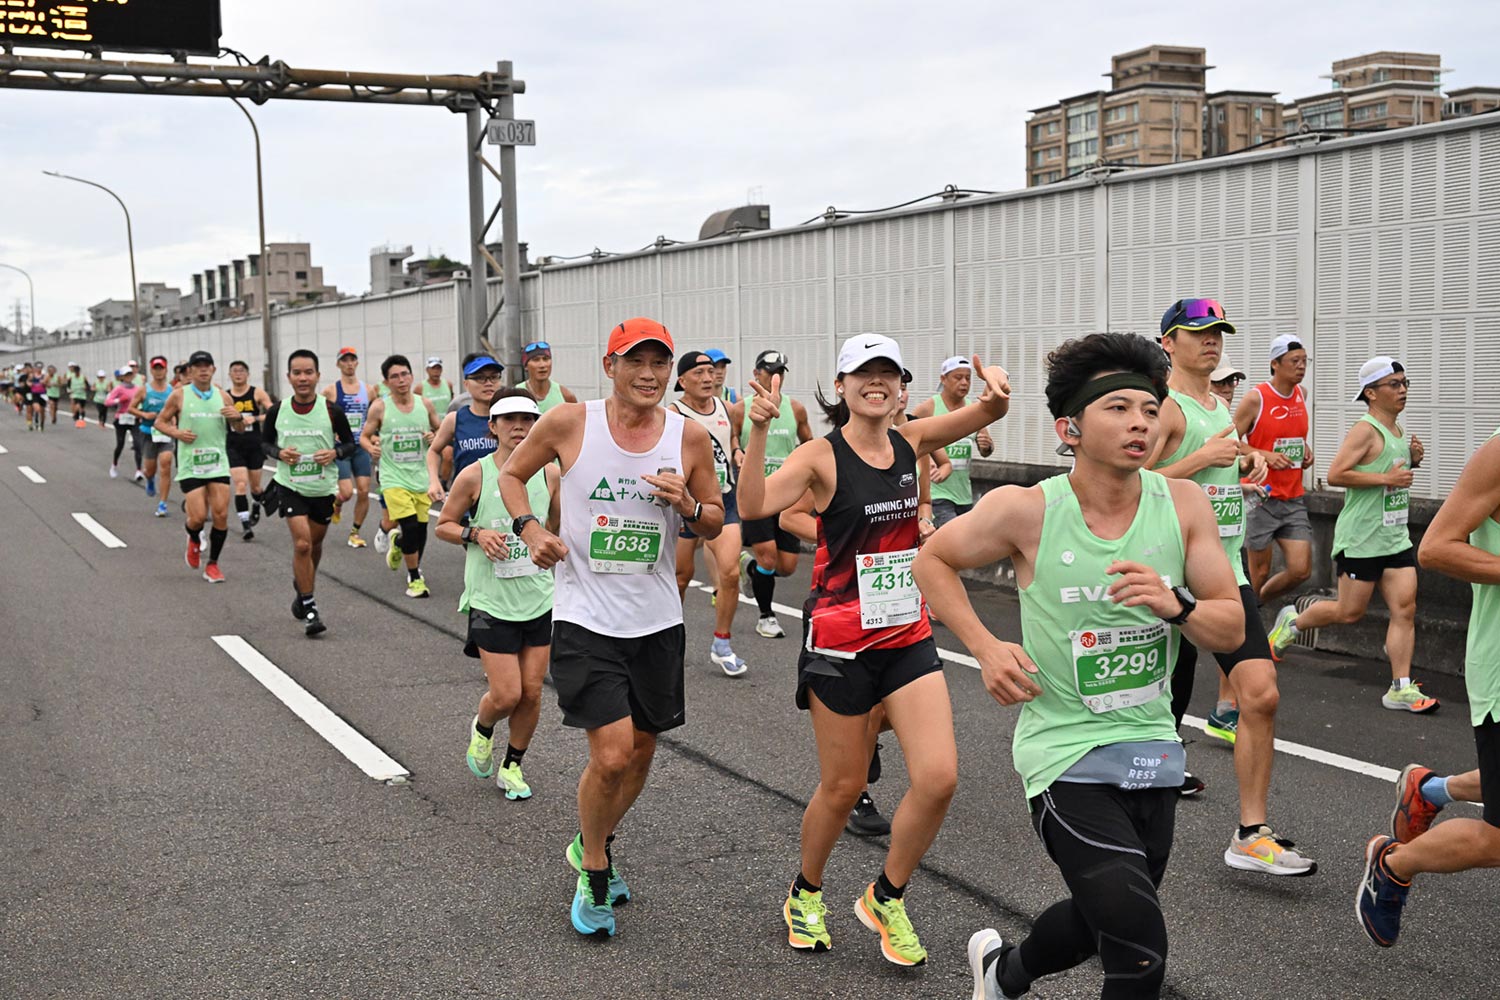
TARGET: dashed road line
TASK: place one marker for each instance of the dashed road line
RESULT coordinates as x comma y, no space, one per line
99,531
344,738
31,474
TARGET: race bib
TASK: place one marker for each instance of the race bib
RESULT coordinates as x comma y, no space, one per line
624,544
1229,508
1295,449
517,561
723,474
305,470
1115,668
887,592
959,453
158,437
206,463
125,419
1395,507
772,464
406,446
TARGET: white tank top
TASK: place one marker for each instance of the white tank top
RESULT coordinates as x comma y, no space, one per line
620,576
716,422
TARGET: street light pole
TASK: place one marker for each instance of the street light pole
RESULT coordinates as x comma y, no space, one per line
33,298
135,295
265,301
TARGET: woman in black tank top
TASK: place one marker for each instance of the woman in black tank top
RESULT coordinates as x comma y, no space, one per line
868,641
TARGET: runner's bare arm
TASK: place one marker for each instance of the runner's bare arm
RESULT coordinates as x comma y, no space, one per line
1218,623
135,405
804,429
554,490
1361,445
1475,497
369,436
1218,451
567,394
460,500
1246,412
932,433
800,520
434,457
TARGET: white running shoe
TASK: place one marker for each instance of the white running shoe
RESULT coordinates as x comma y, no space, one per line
382,541
139,477
769,628
727,661
114,472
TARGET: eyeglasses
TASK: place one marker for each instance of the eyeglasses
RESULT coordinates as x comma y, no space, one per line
536,345
1395,383
483,378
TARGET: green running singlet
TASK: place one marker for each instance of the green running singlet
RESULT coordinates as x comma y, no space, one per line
956,488
1220,485
206,457
308,435
1373,519
514,589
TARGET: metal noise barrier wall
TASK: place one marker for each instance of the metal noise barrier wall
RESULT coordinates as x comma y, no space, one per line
1380,244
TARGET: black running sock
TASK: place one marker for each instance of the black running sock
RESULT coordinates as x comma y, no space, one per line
1010,975
763,586
873,774
306,600
356,527
513,756
241,503
488,732
1246,831
216,538
413,574
598,885
192,532
609,842
884,891
803,885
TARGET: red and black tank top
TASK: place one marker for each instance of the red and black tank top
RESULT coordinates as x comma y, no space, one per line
863,596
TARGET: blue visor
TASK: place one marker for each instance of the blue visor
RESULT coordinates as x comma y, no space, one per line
479,364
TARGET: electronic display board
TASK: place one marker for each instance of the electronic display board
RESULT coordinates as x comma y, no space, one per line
113,25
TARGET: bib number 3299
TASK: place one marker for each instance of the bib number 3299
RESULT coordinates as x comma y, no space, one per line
1115,668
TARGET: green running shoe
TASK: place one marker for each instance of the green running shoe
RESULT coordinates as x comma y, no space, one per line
591,918
393,555
1224,726
806,920
481,752
1284,632
619,892
898,941
510,781
1408,699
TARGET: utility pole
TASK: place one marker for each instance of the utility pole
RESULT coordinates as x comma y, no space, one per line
510,252
135,291
267,344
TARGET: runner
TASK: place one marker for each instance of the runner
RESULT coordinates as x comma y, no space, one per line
39,384
119,399
952,491
1371,540
8,376
353,397
1273,419
1110,561
868,641
78,394
1463,541
1198,442
54,390
1224,382
199,415
507,596
398,429
466,429
306,434
773,550
156,448
537,356
246,455
721,376
435,389
632,472
102,386
699,404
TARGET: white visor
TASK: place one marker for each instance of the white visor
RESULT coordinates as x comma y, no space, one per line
514,404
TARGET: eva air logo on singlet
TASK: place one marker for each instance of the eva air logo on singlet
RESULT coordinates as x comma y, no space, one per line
603,492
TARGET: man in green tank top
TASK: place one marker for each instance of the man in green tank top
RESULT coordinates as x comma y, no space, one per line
1199,443
78,394
952,491
398,428
54,384
1463,541
538,363
435,389
1111,561
1371,542
199,414
102,386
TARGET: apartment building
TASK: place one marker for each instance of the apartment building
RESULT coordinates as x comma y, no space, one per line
1239,119
1471,101
1151,114
1379,90
386,271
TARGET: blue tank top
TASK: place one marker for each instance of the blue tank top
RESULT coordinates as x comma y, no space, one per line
355,406
471,439
153,402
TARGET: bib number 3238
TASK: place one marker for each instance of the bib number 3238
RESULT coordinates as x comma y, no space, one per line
1115,668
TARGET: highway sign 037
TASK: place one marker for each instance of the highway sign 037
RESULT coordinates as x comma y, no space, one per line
512,132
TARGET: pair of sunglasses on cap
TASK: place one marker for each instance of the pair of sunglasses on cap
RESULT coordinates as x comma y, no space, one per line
537,345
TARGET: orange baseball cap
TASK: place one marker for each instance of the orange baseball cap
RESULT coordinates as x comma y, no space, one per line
634,332
347,352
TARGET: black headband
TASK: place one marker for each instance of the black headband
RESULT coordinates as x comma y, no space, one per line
1094,388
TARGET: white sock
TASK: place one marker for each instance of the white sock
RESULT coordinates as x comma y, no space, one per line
1401,682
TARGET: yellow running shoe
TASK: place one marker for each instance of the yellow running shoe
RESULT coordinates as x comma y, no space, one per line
806,920
898,941
394,554
355,542
417,588
512,782
481,751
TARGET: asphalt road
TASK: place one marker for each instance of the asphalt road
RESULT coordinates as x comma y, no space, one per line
174,831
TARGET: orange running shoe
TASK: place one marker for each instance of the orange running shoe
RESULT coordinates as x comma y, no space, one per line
1413,814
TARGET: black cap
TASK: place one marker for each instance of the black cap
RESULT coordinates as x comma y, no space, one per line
771,361
200,358
689,361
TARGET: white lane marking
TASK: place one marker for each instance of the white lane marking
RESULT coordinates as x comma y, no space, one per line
365,755
4,450
1285,746
99,531
30,474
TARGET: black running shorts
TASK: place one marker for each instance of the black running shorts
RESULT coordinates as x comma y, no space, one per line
769,529
1368,569
602,679
1487,742
318,510
189,485
496,635
245,451
853,687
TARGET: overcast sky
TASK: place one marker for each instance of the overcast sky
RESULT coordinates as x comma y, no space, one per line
650,116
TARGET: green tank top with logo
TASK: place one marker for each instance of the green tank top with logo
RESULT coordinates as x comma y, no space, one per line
438,395
553,397
956,488
1373,519
206,457
102,389
514,588
54,387
308,434
403,452
1481,654
781,436
1105,670
78,387
1220,485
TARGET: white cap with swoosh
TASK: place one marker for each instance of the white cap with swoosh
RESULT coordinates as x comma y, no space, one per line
864,348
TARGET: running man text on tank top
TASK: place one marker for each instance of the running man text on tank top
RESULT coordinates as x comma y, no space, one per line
863,595
620,578
1282,428
1220,484
1373,521
720,435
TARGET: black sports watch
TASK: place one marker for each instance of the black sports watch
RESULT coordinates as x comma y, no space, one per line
1189,605
697,513
519,524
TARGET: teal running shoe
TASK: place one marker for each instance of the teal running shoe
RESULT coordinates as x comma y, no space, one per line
619,892
591,918
1223,726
